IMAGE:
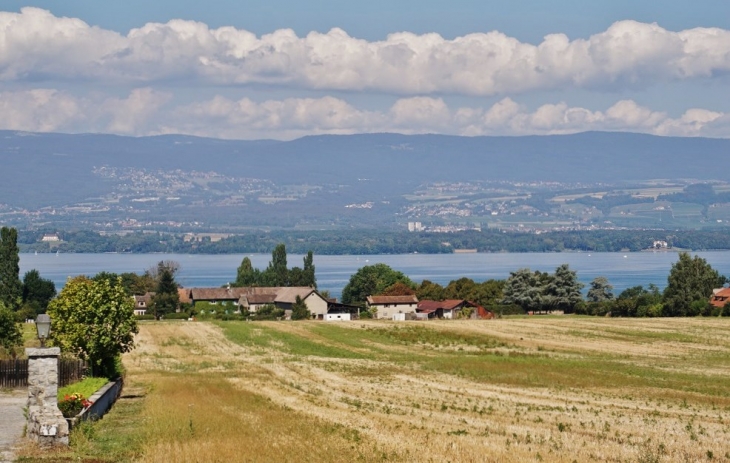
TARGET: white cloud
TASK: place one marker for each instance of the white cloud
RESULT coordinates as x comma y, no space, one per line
147,112
51,110
35,45
129,114
39,110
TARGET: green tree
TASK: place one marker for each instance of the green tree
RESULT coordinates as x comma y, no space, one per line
37,291
247,275
277,273
138,284
524,288
637,301
463,288
299,310
309,277
600,291
691,279
166,299
398,289
370,280
563,290
430,291
11,288
488,293
10,335
95,321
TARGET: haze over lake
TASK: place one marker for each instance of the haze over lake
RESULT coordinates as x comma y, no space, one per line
623,270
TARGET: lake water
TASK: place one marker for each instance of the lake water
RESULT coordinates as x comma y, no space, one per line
623,270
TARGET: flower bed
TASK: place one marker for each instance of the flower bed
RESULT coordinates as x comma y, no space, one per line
99,403
73,404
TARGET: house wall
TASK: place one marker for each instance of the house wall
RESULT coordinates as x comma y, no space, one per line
316,305
330,317
388,312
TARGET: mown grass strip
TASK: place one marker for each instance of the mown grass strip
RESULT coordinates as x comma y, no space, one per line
491,360
259,335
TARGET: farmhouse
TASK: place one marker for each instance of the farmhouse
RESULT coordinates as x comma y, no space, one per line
452,308
449,309
720,297
389,306
253,298
142,303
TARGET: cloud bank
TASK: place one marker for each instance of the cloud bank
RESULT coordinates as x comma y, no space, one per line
36,45
61,74
148,112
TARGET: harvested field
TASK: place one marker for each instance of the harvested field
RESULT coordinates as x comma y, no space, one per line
559,389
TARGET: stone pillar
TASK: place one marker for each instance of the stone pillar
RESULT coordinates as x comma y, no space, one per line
46,424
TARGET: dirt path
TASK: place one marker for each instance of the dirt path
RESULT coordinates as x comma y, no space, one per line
12,422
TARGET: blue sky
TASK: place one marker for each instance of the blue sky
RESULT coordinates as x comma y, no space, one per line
283,69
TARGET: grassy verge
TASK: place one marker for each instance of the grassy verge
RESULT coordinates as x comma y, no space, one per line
116,438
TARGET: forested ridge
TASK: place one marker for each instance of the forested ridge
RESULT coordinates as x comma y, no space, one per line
379,242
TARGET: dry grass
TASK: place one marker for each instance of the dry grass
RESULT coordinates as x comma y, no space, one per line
557,389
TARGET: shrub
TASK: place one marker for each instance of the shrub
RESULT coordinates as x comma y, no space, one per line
268,312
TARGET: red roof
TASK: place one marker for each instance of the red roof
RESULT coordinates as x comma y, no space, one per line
448,304
720,298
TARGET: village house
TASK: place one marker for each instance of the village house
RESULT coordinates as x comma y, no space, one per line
395,307
720,297
142,303
452,308
253,298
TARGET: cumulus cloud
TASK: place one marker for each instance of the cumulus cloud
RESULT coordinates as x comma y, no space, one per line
145,111
36,45
51,110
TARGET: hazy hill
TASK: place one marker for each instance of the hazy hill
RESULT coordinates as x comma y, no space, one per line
48,168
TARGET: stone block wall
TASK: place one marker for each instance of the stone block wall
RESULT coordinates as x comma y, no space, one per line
46,424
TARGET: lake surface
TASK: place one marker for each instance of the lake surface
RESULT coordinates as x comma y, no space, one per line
623,270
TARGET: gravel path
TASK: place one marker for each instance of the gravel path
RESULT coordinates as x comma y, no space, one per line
12,421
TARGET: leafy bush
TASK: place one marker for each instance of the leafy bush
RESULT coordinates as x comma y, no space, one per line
268,312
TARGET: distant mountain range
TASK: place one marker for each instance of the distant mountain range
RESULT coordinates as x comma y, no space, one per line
49,169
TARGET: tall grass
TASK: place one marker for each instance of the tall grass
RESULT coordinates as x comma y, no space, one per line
205,419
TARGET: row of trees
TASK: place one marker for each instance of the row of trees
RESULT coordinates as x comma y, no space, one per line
379,241
689,287
159,279
19,300
277,273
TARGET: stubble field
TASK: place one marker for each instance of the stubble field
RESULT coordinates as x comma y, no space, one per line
557,389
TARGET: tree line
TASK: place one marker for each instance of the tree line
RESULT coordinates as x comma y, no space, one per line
360,242
690,285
